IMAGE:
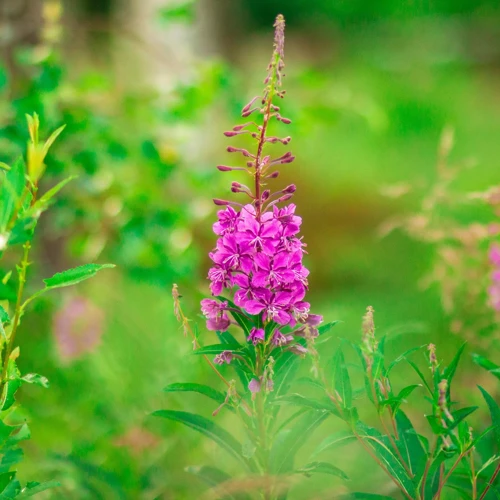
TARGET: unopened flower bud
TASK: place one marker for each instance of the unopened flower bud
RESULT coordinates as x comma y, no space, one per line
224,168
266,194
290,189
286,197
230,133
220,203
249,105
274,175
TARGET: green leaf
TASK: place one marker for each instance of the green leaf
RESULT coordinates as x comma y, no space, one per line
183,12
11,193
461,414
35,488
487,365
75,275
400,358
239,365
421,376
34,378
216,477
382,448
206,390
341,380
334,441
450,370
301,401
398,400
409,445
44,201
327,327
240,317
432,481
4,320
218,348
322,468
495,414
283,452
206,427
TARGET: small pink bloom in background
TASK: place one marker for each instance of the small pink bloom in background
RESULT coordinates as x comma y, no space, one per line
78,328
494,289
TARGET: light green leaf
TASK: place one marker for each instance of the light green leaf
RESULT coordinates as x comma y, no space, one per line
341,380
334,441
322,329
45,200
206,427
400,358
218,348
409,445
284,451
322,468
485,363
34,378
4,320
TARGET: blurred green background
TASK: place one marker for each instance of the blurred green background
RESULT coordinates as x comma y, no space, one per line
146,88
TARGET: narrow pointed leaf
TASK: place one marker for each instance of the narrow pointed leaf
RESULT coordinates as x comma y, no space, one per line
334,441
206,390
409,445
206,427
495,415
485,363
342,382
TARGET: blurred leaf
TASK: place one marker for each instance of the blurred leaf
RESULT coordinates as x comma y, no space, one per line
34,378
74,276
450,370
334,441
322,329
33,488
215,477
302,401
341,380
364,496
421,375
44,201
211,393
285,369
495,414
322,468
283,453
487,364
12,189
206,427
183,12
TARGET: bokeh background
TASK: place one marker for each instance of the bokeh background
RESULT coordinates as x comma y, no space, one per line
146,88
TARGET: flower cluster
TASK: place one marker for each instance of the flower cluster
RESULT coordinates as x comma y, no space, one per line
259,253
494,289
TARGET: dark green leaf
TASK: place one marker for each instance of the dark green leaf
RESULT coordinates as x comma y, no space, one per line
322,329
421,375
396,401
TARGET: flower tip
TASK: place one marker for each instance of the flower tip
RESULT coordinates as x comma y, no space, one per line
224,168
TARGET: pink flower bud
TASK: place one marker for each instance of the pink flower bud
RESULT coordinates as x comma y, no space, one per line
290,189
249,105
249,112
266,194
220,203
224,168
274,175
230,133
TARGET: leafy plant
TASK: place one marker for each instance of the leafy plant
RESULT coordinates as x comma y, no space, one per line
20,210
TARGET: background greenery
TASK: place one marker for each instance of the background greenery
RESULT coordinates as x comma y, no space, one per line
370,87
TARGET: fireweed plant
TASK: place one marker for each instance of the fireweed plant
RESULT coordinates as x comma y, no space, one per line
20,209
257,261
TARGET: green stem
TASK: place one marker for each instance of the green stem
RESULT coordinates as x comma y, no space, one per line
17,314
